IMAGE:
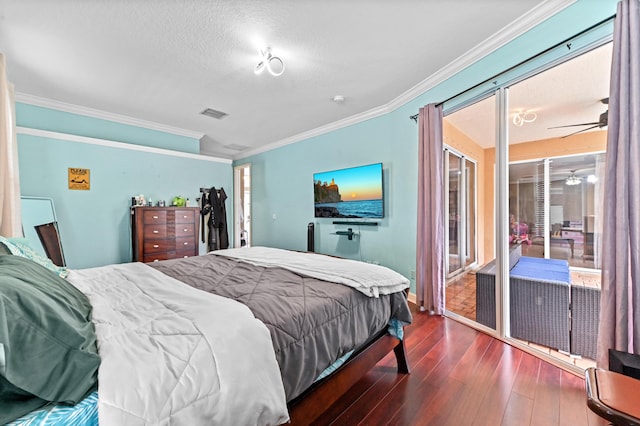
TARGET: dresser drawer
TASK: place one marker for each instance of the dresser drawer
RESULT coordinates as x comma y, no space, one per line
185,216
184,229
156,257
155,232
185,243
152,216
159,245
184,254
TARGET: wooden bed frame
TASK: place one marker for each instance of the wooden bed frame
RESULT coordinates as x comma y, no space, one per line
321,395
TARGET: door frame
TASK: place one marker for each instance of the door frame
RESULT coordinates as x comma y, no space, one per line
240,215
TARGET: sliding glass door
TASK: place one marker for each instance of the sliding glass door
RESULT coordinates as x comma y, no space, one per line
460,192
523,254
556,142
469,208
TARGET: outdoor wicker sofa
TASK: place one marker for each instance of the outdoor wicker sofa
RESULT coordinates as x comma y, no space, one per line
486,288
540,297
585,316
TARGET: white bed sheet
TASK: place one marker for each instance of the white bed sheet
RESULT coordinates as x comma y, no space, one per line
367,278
172,354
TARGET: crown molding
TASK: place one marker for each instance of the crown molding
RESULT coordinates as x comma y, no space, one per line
526,22
118,145
531,19
103,115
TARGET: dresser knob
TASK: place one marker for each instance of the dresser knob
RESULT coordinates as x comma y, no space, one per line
185,216
155,231
155,246
185,256
155,260
155,217
185,230
186,244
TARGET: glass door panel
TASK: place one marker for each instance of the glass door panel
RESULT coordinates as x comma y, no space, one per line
242,205
454,205
470,203
555,162
527,192
469,135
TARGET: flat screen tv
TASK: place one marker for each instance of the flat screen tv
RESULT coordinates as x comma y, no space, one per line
355,192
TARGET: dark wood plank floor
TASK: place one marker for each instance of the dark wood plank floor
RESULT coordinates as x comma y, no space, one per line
463,377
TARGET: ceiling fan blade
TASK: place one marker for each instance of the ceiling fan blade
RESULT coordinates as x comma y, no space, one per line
580,131
575,125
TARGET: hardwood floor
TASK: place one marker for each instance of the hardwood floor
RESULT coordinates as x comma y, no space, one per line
463,377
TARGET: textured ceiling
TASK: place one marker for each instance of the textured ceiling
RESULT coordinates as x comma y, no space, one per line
567,94
165,61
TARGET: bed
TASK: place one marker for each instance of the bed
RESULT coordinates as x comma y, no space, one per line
240,321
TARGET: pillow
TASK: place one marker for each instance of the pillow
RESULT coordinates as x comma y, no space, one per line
4,249
48,350
20,247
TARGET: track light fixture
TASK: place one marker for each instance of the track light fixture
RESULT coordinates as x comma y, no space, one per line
274,64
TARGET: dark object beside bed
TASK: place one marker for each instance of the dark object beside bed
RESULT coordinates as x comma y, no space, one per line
312,322
50,238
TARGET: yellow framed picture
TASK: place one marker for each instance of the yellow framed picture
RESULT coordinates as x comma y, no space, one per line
79,179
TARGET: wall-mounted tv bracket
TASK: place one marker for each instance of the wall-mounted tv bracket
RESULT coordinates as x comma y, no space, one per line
349,233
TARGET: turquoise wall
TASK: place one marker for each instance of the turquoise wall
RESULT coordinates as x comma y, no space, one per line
37,117
282,179
94,224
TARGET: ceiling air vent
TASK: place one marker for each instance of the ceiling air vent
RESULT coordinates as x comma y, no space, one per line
213,113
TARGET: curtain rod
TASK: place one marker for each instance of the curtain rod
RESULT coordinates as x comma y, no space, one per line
566,41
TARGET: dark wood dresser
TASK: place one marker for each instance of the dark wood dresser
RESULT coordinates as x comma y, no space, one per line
161,233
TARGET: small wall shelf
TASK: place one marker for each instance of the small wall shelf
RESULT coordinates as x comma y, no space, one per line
349,233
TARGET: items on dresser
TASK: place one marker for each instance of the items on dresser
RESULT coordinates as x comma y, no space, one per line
160,233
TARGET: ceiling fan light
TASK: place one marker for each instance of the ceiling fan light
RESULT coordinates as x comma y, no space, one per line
274,64
522,117
573,180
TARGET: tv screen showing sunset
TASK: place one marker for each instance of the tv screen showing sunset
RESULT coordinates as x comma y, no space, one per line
353,192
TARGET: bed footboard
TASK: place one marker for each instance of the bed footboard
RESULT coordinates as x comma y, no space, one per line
317,399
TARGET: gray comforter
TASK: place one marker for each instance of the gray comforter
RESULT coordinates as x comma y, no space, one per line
169,355
312,322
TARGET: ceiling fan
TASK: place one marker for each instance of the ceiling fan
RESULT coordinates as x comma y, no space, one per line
576,176
573,179
603,120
